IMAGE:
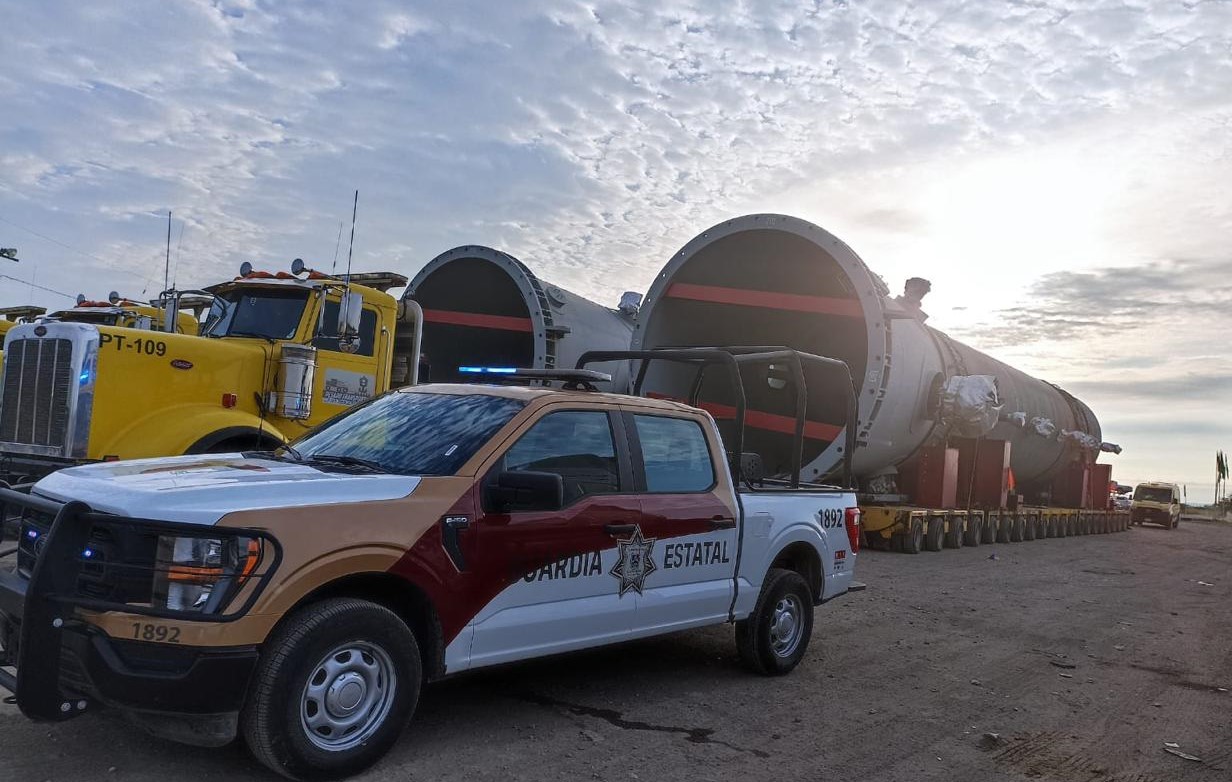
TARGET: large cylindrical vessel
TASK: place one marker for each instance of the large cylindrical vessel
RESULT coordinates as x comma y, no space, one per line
777,280
485,308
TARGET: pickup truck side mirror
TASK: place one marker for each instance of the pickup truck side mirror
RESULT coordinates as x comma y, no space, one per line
526,490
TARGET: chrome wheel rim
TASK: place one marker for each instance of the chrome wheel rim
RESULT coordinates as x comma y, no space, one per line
786,626
348,696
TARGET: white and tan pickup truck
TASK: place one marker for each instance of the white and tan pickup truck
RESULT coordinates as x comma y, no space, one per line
300,598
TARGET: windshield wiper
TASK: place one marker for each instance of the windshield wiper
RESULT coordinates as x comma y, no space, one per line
299,457
249,334
348,461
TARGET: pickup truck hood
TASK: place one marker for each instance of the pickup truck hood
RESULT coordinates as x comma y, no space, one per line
203,489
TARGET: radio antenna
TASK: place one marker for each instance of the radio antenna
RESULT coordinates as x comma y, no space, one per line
337,244
167,266
351,247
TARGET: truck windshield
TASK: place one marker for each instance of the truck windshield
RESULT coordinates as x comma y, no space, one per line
411,433
1153,494
256,312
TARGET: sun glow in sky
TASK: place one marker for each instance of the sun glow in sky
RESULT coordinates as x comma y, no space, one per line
1061,171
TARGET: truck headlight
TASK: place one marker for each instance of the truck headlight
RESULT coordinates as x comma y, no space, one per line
202,574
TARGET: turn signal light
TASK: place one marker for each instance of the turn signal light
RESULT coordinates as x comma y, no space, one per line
229,400
852,521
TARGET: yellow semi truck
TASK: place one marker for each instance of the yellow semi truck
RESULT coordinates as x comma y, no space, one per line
125,313
277,354
11,316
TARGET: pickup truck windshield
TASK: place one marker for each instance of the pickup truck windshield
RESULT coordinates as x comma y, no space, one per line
256,312
411,433
1153,494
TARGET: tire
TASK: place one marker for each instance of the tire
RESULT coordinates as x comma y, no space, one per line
989,531
343,640
762,647
975,530
1029,529
1005,529
913,539
953,533
1017,529
934,537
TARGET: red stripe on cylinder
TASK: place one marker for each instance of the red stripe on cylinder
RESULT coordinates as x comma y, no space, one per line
772,300
770,422
479,321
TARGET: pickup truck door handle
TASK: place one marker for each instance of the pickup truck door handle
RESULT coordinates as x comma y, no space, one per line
722,522
619,529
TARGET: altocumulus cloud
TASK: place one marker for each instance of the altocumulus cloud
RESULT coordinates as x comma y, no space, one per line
590,139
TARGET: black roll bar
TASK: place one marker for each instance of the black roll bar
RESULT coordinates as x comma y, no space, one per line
731,358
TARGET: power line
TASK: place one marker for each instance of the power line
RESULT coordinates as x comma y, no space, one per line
40,287
53,241
145,279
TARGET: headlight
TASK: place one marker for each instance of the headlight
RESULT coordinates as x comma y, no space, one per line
202,574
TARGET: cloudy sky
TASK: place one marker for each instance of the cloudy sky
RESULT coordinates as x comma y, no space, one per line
1059,170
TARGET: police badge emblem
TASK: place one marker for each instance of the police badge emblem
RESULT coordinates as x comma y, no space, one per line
634,561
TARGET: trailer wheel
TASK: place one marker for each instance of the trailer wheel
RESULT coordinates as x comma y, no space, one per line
1005,529
953,532
775,637
933,538
333,690
974,531
912,540
989,530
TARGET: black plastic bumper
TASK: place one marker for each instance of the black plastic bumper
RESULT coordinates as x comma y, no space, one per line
93,668
63,663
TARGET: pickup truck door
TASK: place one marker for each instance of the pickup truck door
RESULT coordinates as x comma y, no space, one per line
562,594
688,513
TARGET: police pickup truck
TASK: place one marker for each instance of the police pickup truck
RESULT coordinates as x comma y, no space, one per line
300,598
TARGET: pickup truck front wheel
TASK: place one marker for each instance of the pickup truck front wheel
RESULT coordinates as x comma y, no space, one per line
773,640
333,690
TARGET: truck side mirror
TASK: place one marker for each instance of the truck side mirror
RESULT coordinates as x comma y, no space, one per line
526,491
349,310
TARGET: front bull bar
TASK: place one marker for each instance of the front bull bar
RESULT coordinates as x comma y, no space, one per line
38,611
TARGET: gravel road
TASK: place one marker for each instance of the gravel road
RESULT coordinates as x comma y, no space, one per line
1083,655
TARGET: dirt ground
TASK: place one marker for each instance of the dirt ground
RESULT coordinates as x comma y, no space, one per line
1083,655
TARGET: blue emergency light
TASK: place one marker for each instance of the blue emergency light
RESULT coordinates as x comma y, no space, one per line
487,370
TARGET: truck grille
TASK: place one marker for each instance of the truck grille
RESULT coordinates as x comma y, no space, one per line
115,563
34,407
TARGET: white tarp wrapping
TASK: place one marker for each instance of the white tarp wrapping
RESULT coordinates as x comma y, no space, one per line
1018,419
1043,427
970,405
1081,438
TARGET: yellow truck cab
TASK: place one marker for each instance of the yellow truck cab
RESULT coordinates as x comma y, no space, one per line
277,354
11,316
123,313
1156,503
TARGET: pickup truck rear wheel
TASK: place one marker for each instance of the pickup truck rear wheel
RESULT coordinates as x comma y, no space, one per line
333,690
773,640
